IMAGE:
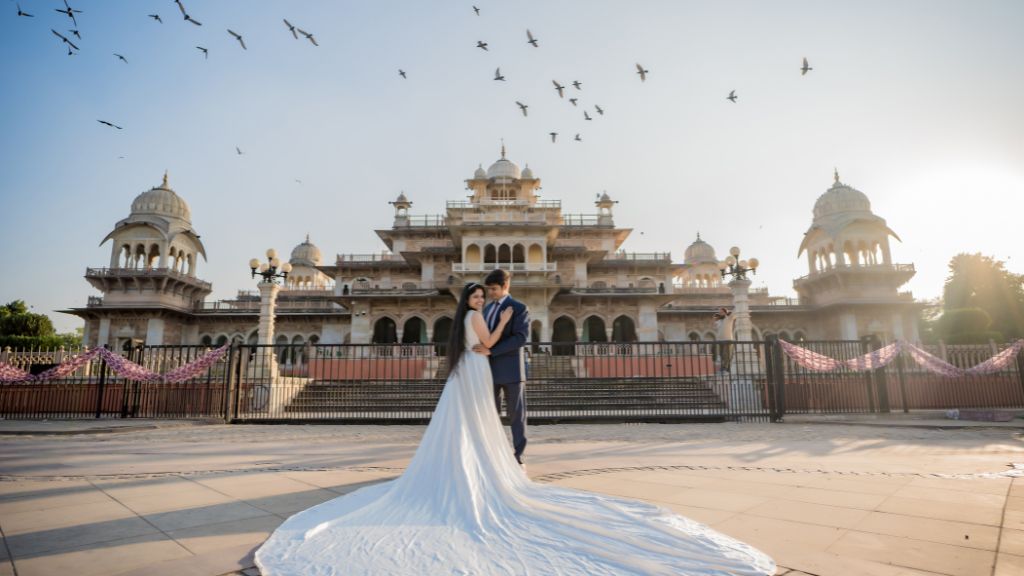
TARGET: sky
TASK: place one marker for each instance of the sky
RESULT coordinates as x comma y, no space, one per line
916,103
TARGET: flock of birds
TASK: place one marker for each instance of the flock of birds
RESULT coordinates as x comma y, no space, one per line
295,31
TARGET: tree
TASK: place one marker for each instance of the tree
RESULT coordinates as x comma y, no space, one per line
981,301
13,307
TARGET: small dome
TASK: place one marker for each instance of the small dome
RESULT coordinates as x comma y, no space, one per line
305,254
700,251
504,168
163,201
605,198
527,173
841,198
480,173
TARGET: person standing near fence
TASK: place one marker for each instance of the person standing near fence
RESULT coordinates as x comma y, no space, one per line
724,334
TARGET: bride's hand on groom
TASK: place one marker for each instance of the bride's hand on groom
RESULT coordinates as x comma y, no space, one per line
505,315
481,349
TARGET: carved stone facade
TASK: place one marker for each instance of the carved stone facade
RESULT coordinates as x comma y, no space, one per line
569,269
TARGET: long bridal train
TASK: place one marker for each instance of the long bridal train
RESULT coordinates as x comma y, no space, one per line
463,506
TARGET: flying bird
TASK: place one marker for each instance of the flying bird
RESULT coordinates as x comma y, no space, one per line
185,15
65,40
156,17
308,36
573,101
522,107
239,38
553,135
578,139
68,11
560,88
577,84
122,58
481,45
75,32
291,28
22,13
599,109
298,181
477,10
401,73
805,68
643,73
586,116
206,53
732,96
530,39
497,75
239,150
110,124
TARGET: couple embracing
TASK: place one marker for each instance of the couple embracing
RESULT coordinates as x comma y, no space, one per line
464,507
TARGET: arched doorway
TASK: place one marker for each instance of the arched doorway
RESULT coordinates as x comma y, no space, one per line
442,332
414,331
594,330
385,331
535,339
563,337
623,330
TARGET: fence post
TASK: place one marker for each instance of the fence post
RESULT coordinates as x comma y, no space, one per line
231,385
1020,370
776,378
101,386
901,373
881,379
866,346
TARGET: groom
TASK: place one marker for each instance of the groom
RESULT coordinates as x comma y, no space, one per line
508,364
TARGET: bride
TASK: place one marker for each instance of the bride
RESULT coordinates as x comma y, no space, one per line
464,506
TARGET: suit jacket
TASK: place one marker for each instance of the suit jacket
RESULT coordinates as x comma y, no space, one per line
508,359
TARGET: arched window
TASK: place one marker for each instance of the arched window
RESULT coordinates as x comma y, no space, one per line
282,349
799,336
784,336
414,331
563,337
504,254
594,330
599,284
536,255
385,331
518,254
490,254
623,330
473,254
206,340
442,332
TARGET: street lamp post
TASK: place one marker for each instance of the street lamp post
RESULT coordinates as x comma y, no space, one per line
744,360
265,357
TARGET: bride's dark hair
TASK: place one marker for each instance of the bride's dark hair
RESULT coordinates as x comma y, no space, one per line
457,340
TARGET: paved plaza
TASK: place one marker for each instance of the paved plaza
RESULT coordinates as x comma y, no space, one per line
827,496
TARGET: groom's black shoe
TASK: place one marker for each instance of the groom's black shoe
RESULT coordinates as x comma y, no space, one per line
519,458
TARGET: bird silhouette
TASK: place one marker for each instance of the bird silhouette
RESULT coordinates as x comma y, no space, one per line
156,17
239,38
599,109
69,12
497,75
573,101
586,116
477,10
553,135
732,96
291,28
643,73
481,45
522,107
560,88
239,150
122,58
75,32
111,124
805,68
577,84
401,73
578,139
530,39
185,14
308,36
298,181
206,53
65,40
23,13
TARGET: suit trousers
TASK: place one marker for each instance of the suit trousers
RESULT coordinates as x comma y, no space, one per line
516,403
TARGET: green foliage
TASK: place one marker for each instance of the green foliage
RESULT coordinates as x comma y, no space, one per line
982,283
13,307
67,340
20,328
26,324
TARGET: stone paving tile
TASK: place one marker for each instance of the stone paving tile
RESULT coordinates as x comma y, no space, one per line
916,554
289,503
997,486
212,537
931,530
102,560
1009,565
1011,542
203,515
972,498
809,513
989,515
6,568
707,516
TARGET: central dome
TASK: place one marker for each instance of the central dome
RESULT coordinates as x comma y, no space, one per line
306,253
504,168
700,251
163,201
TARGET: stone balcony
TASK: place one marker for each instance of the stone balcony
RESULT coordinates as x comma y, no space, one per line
462,267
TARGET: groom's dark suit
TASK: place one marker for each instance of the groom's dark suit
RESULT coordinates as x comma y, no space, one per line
508,365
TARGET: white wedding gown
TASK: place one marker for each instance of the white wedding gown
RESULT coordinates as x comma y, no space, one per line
464,506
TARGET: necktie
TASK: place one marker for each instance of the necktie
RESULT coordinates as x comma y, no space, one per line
493,315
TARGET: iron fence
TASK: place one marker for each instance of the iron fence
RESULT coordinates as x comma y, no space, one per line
566,382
